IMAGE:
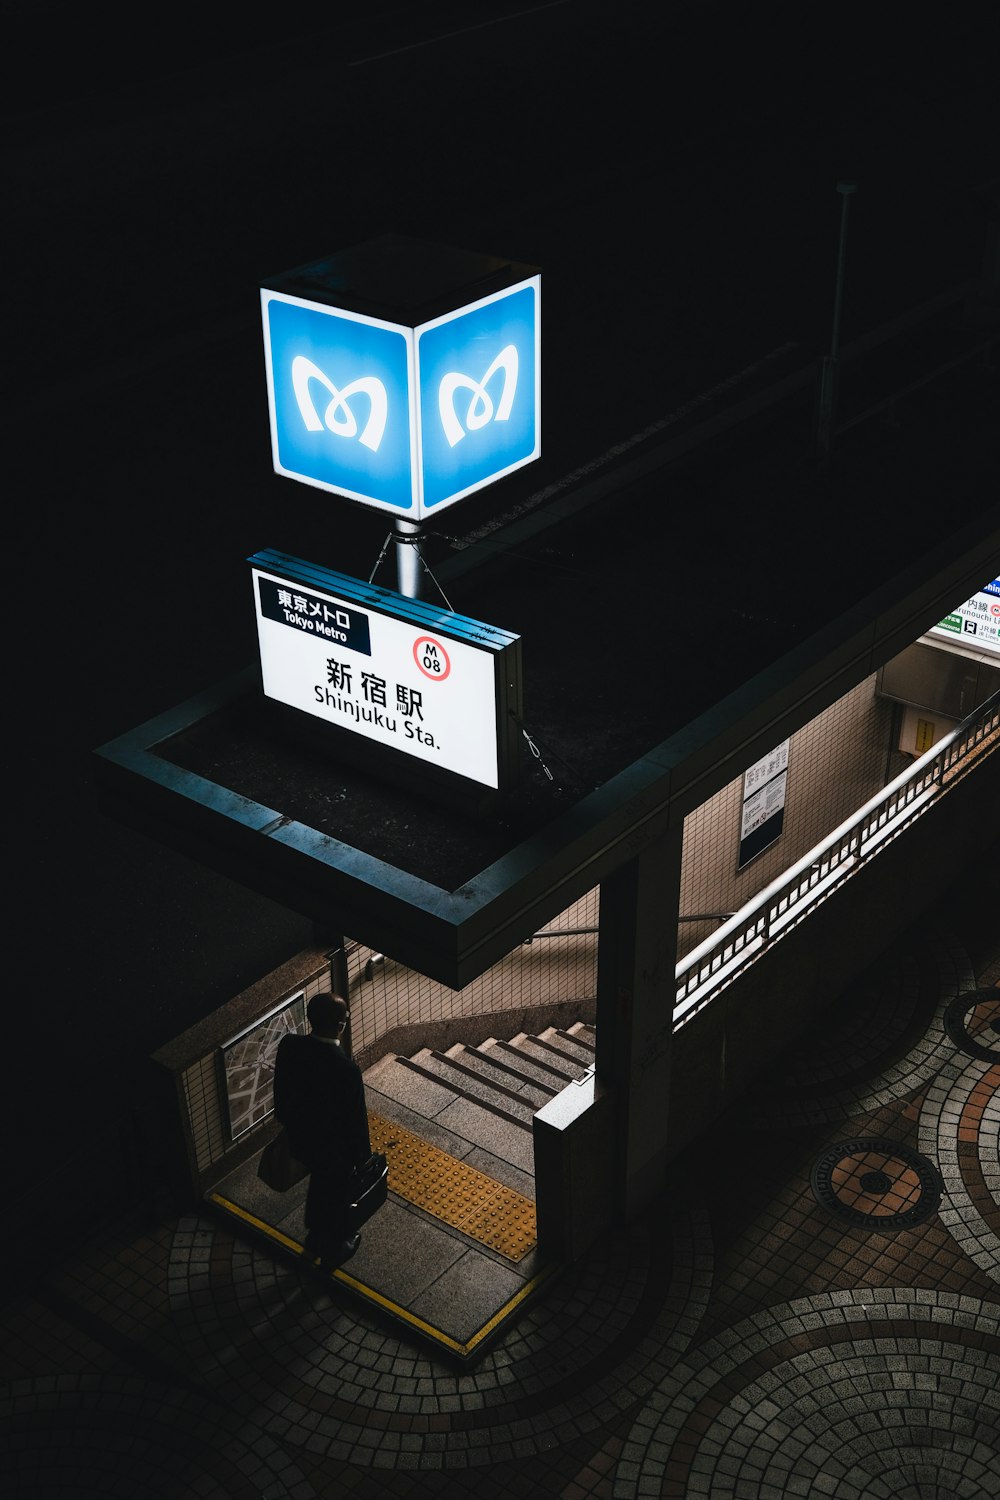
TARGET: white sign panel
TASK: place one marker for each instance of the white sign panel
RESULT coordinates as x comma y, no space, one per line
764,769
763,804
763,810
397,682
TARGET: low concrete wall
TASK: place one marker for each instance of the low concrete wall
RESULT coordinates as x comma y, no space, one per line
185,1096
575,1191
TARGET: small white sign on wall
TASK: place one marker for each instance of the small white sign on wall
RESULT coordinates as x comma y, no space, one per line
762,811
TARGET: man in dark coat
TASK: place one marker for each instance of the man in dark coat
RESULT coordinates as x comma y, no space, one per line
319,1097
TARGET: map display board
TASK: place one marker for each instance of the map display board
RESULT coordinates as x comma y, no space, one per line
248,1064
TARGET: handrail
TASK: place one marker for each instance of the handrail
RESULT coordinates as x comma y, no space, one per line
558,932
783,903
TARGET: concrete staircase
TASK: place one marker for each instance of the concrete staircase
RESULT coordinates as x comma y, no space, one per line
477,1102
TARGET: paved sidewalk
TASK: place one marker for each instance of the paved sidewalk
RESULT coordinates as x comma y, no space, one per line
813,1308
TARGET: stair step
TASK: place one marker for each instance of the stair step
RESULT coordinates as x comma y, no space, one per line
474,1081
568,1045
487,1063
582,1031
528,1067
424,1095
561,1054
412,1064
541,1057
571,1060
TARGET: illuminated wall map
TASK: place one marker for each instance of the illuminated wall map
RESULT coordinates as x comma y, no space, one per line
248,1064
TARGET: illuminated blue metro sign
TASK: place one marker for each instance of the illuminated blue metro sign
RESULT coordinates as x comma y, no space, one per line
390,384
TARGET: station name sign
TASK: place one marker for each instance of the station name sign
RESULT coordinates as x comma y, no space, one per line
394,675
976,622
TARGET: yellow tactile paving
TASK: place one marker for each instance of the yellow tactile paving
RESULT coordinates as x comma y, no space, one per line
458,1194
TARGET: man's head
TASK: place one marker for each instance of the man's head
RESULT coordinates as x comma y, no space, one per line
327,1014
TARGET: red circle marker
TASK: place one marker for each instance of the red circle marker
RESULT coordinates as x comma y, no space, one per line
431,657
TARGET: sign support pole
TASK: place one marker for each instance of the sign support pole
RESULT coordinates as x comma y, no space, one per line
408,568
830,370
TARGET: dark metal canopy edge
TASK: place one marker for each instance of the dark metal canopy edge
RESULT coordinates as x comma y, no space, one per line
453,936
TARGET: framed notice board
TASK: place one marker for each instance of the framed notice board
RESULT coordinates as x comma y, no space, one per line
762,811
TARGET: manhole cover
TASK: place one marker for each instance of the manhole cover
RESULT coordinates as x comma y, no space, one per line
878,1183
972,1021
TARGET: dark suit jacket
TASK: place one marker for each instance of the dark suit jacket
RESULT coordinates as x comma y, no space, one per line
319,1097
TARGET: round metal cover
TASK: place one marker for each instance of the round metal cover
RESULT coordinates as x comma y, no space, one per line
881,1184
972,1021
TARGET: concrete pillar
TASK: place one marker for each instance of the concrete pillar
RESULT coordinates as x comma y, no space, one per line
575,1196
637,955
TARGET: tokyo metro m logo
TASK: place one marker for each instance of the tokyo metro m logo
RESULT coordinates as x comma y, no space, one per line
338,417
481,409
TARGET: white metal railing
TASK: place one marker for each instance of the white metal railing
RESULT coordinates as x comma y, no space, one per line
728,951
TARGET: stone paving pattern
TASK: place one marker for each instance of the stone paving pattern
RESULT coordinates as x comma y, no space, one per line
746,1337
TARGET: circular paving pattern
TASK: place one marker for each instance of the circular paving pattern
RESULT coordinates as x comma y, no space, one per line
606,1330
959,1126
883,1041
861,1395
112,1436
972,1021
876,1182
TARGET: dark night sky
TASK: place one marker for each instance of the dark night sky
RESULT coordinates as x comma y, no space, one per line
685,154
672,170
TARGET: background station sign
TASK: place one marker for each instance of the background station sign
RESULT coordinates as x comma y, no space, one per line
396,675
406,419
976,622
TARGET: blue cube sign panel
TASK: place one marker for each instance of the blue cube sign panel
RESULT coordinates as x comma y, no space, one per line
477,374
337,390
405,419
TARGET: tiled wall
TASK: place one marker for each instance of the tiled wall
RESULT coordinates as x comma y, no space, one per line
206,1118
385,995
835,764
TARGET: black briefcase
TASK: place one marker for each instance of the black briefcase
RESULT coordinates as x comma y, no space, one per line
370,1190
